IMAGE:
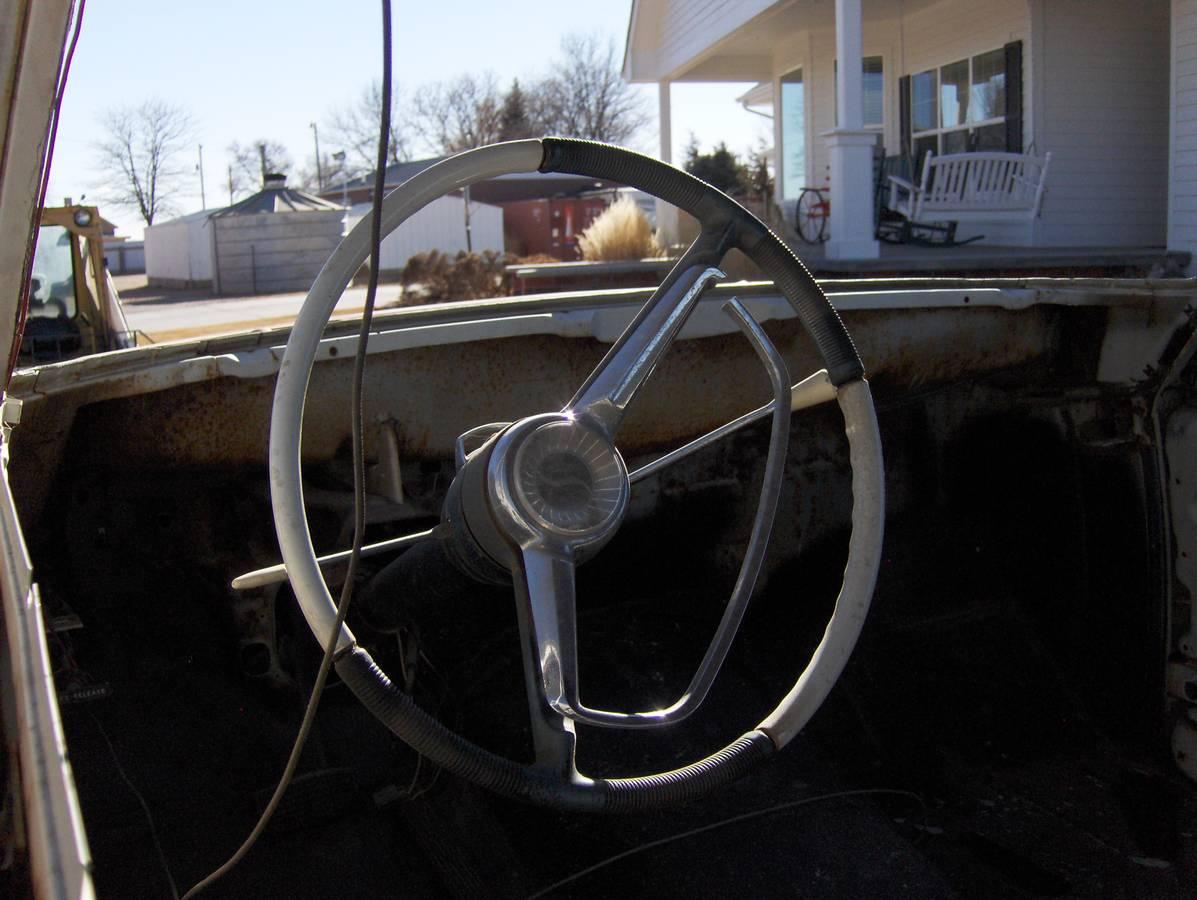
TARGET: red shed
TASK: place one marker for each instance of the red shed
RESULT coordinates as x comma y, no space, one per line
542,212
549,227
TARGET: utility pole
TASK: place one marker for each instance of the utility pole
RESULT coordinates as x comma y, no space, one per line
230,185
339,156
262,156
466,204
319,173
200,168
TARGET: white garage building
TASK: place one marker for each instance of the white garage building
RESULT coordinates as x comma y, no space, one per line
273,241
178,253
441,225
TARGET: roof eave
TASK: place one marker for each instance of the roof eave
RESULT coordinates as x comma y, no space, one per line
641,66
626,66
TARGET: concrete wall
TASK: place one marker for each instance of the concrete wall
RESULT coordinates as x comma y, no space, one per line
1101,88
1182,200
438,226
272,252
179,253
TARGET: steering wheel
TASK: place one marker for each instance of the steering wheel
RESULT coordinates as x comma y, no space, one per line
547,492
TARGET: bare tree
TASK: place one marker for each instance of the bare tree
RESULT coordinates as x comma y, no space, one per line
137,156
333,166
460,114
586,97
354,128
249,164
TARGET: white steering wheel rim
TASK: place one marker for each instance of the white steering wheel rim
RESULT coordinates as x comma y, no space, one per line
286,420
295,542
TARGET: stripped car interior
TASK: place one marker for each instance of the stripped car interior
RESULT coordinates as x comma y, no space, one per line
764,587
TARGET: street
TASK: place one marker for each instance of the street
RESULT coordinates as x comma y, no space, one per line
175,315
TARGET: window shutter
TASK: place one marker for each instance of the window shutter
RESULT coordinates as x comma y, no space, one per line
1014,97
905,147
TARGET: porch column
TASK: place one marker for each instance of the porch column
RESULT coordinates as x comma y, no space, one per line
666,212
850,147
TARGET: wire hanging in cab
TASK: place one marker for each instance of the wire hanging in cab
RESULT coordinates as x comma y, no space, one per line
359,474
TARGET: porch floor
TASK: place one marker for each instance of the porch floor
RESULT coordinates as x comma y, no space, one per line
979,258
970,261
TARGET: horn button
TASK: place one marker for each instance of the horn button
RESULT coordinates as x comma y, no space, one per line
558,480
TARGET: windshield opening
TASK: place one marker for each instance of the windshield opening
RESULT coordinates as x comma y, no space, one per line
52,291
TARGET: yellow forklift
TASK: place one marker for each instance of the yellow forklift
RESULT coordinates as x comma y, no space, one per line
74,308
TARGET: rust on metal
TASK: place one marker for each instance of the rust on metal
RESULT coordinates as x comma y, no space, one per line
434,393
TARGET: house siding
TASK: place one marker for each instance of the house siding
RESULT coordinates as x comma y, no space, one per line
1103,113
1096,88
811,47
909,37
936,34
1182,205
940,33
689,28
1095,94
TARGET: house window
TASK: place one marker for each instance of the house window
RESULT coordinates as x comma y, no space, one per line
959,107
872,87
793,135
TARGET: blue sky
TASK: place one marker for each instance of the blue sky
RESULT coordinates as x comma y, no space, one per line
268,69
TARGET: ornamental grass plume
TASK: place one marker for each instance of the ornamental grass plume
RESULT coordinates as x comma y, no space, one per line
621,232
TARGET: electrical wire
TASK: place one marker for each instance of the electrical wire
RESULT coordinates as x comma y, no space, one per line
31,248
446,696
359,473
743,817
145,808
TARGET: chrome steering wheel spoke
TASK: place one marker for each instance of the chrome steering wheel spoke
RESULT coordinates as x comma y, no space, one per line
614,383
546,591
545,614
813,390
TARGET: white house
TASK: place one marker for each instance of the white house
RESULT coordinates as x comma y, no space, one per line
1107,87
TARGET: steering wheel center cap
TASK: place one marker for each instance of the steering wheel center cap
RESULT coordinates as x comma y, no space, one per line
561,478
